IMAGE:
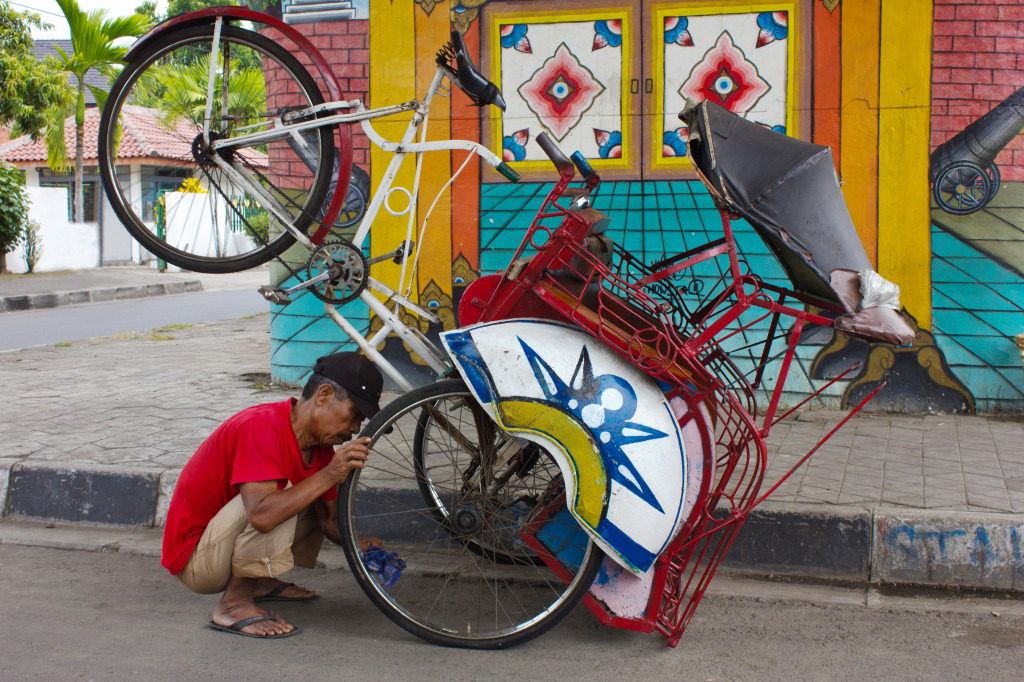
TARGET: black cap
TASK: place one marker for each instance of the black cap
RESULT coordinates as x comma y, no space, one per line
357,375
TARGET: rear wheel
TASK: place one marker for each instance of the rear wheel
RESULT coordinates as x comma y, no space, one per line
459,515
166,181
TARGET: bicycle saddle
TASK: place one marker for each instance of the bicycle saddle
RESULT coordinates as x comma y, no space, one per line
456,58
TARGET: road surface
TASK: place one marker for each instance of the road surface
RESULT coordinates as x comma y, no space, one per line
65,324
76,615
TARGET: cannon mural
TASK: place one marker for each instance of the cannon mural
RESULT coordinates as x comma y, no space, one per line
963,171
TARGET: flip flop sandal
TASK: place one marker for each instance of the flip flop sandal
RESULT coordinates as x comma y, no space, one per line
275,594
236,627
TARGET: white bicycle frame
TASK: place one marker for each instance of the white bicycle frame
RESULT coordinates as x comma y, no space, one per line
356,112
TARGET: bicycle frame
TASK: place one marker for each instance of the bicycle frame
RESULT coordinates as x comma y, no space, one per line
340,114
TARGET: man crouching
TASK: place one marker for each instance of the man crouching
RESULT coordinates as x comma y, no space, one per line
260,494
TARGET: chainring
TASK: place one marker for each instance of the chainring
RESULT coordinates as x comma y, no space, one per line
349,271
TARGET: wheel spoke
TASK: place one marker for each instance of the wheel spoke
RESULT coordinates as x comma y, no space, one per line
190,88
470,580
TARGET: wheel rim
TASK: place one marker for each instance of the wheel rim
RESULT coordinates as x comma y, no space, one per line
450,589
219,222
962,188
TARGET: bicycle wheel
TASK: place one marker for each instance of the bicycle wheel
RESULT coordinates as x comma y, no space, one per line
450,592
449,479
162,178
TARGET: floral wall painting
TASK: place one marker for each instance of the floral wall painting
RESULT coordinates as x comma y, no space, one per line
740,60
563,78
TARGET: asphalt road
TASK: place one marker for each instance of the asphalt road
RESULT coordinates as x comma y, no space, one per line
75,615
72,323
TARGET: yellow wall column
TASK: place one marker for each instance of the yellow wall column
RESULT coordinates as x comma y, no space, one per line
904,216
433,31
859,127
392,81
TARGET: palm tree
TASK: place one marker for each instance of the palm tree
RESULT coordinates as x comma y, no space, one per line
182,91
92,41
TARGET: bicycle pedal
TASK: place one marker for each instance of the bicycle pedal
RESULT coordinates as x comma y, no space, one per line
276,296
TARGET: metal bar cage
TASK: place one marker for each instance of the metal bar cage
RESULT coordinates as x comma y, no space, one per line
670,320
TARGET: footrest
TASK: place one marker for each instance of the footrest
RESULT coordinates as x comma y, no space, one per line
276,296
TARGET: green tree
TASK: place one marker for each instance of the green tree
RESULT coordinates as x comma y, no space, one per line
183,88
32,93
148,10
13,210
93,41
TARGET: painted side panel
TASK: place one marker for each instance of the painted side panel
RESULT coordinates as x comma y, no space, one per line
608,425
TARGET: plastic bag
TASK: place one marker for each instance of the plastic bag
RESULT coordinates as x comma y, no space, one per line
876,291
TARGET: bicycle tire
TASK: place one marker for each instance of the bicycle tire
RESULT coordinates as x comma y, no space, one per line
234,238
448,594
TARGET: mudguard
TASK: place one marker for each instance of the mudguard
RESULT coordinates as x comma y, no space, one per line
633,464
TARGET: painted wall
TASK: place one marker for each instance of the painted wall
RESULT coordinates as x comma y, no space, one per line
887,84
66,245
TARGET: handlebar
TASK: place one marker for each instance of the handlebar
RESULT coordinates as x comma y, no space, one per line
562,163
582,165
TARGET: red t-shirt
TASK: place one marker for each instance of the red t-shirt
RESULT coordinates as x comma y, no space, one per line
257,444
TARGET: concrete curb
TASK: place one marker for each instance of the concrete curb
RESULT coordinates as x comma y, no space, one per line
824,542
10,304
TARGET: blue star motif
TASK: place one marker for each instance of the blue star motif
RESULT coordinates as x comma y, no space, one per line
605,403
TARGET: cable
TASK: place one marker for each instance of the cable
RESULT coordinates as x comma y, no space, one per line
41,11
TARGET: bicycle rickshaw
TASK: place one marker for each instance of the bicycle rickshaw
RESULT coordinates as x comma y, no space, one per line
589,438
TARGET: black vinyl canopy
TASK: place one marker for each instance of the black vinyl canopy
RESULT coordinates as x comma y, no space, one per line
787,189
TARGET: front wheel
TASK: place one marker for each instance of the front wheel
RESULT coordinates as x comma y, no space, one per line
172,188
452,503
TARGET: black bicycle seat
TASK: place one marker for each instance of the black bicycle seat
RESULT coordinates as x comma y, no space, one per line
472,82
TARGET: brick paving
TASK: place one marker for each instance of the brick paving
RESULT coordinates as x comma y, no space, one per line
149,401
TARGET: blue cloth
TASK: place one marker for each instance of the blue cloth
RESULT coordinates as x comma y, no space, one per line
385,564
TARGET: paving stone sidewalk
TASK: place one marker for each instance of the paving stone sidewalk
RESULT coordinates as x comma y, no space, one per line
150,400
143,402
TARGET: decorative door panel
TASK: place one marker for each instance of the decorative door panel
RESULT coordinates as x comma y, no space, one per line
610,79
740,57
566,73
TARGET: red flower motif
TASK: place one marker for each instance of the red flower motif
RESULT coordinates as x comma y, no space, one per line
560,92
726,77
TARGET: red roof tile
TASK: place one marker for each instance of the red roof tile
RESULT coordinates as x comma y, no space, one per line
143,136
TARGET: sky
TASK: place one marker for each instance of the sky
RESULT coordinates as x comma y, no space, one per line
51,14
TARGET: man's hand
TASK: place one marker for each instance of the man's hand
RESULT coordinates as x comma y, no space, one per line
349,456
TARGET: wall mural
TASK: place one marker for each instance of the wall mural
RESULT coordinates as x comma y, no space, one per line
608,79
739,61
564,78
977,171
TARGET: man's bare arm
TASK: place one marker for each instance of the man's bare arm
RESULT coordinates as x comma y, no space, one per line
267,507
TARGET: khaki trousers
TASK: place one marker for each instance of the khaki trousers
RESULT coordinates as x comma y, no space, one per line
230,546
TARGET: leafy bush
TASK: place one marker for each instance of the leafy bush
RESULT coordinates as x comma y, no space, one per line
14,203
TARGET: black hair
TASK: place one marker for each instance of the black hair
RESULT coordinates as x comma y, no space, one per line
315,381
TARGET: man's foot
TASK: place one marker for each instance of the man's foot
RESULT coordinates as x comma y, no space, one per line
237,605
272,589
239,627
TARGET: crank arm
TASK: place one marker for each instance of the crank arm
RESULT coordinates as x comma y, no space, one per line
284,296
397,255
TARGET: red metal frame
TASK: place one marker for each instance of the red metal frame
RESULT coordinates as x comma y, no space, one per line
343,134
640,313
